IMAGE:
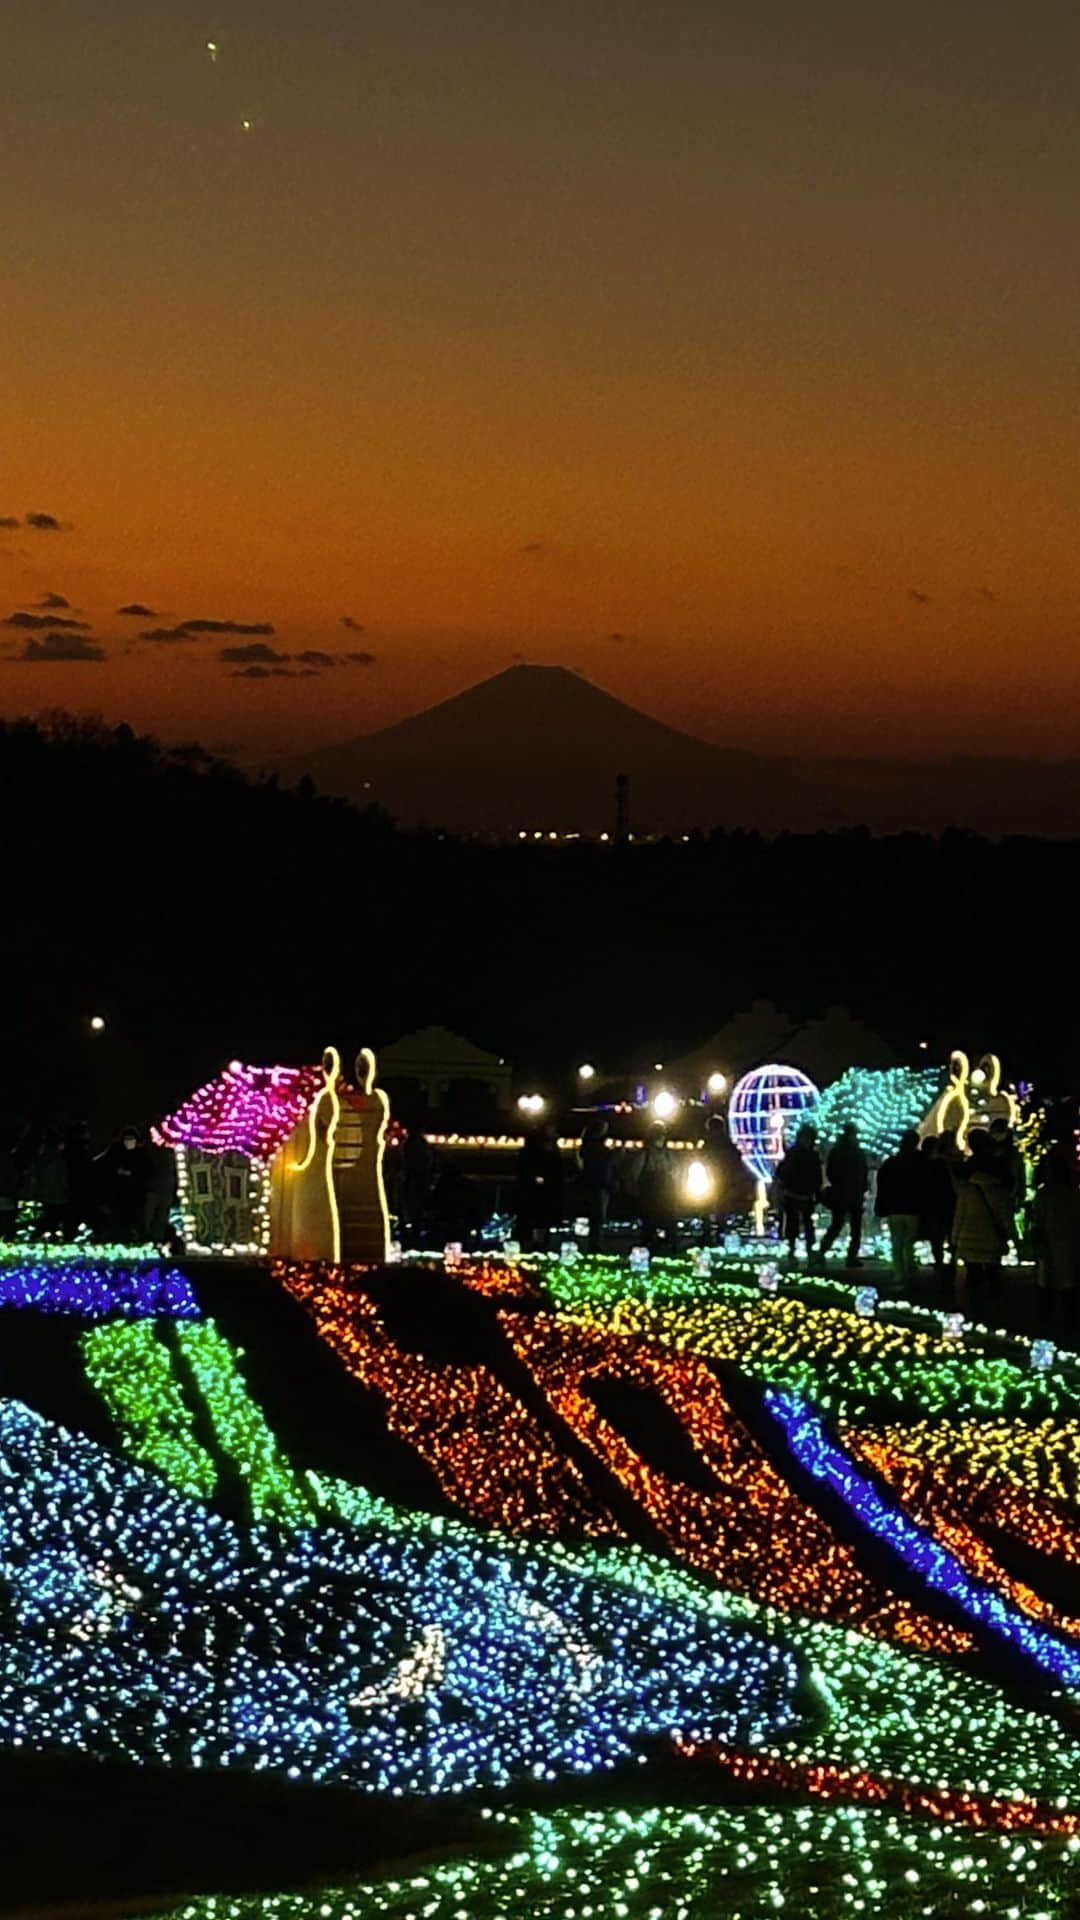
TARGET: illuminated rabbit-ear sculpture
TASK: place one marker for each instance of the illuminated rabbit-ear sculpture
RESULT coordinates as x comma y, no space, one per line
995,1102
951,1111
323,1117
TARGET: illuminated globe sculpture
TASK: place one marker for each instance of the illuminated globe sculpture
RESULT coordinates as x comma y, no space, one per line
763,1106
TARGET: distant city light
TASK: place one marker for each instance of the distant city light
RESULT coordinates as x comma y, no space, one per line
699,1184
717,1084
664,1104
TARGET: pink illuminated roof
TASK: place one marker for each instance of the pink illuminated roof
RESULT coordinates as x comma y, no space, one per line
249,1110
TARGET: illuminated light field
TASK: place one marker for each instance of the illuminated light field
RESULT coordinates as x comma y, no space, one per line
763,1546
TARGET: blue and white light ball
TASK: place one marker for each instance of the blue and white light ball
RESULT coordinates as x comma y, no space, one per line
765,1105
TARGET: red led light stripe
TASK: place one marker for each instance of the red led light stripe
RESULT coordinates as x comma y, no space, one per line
488,1454
843,1783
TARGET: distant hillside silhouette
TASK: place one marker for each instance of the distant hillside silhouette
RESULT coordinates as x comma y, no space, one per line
207,916
540,748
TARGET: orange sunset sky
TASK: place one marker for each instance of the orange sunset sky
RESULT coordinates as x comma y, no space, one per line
729,353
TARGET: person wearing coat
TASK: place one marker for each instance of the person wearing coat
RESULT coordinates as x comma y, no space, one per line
847,1174
1055,1226
983,1225
799,1179
52,1188
596,1164
900,1188
654,1182
540,1189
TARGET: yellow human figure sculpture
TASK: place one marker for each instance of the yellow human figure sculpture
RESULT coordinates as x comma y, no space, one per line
358,1167
304,1220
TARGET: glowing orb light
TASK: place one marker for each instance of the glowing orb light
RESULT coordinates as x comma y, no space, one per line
664,1104
763,1105
699,1183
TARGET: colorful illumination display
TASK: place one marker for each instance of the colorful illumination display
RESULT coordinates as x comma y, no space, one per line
881,1105
144,1625
95,1288
782,1540
488,1454
248,1110
764,1106
915,1546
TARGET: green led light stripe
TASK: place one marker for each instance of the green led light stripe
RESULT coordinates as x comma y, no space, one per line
694,1863
132,1369
275,1490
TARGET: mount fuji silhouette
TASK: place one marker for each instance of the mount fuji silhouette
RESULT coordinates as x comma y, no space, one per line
538,750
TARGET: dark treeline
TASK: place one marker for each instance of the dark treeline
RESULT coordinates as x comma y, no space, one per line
207,916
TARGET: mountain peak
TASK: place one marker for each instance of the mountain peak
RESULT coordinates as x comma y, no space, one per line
532,747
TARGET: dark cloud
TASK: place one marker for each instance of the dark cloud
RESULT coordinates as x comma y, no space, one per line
61,647
361,659
260,672
191,629
35,622
312,657
43,522
920,599
988,594
535,546
138,610
621,639
257,654
352,625
8,521
226,626
53,600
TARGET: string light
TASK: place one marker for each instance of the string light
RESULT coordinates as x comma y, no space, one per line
335,1636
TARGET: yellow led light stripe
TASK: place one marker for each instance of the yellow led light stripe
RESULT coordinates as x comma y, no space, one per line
331,1066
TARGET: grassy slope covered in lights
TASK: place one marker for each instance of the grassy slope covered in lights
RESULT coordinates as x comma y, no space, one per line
302,1436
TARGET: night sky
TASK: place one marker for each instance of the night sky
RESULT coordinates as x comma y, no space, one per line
727,352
